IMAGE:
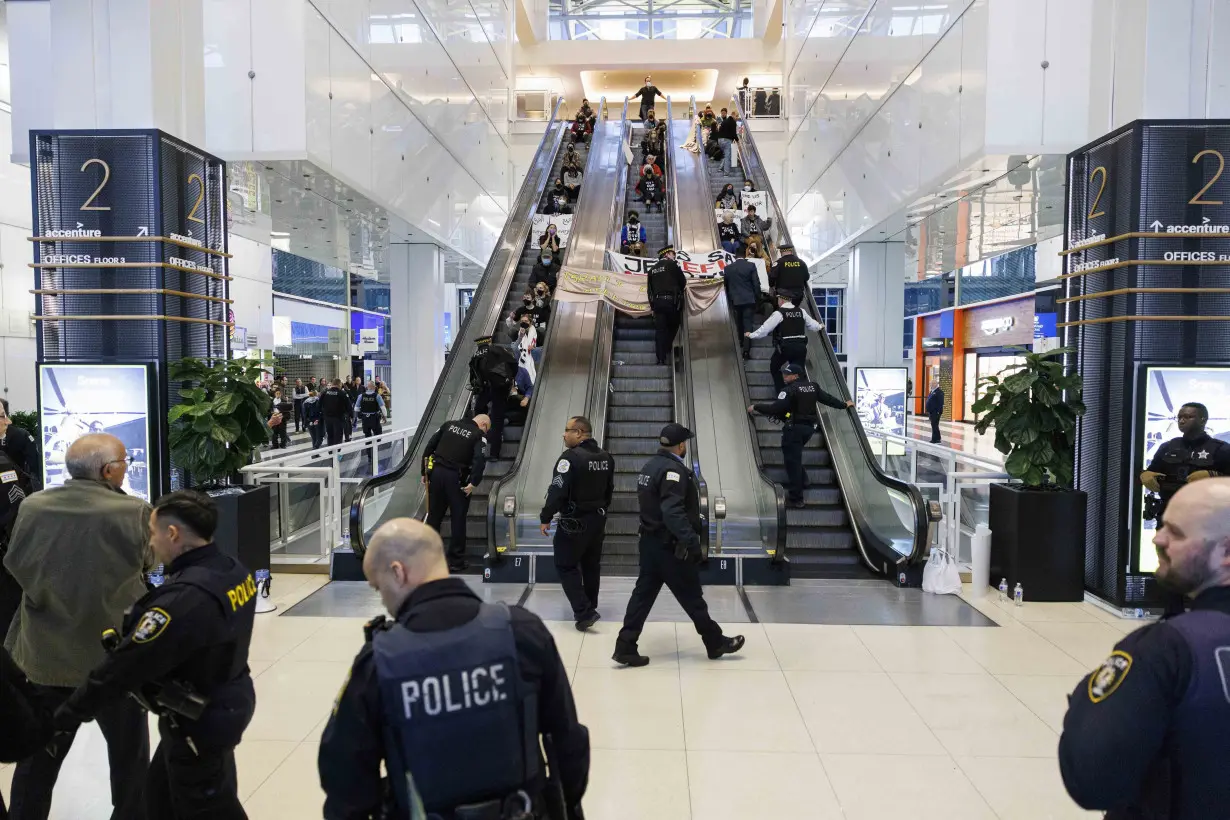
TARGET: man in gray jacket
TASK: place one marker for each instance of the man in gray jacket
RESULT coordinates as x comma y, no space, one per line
78,552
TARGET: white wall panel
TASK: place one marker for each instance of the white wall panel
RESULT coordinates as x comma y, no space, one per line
351,83
973,80
1218,77
15,202
309,312
228,91
316,39
251,287
939,111
1067,81
351,17
279,111
1015,53
32,79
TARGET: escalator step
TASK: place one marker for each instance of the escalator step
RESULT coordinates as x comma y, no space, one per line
657,415
632,346
633,446
822,495
817,517
642,385
630,463
643,400
622,525
817,538
813,458
633,430
815,475
624,504
624,482
629,357
641,371
624,334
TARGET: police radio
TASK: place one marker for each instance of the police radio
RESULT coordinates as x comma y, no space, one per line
163,699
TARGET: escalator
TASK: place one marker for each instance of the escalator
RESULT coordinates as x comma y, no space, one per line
399,492
856,518
641,400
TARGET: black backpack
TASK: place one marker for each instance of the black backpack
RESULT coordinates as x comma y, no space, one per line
499,367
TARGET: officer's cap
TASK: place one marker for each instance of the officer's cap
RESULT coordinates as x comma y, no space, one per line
666,250
673,434
482,340
789,369
785,246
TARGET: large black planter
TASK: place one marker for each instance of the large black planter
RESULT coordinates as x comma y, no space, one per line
243,524
1038,541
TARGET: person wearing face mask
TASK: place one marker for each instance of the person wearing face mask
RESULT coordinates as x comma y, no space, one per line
632,237
728,232
478,756
571,157
747,189
726,200
369,408
550,240
649,165
652,190
546,269
78,552
1145,735
670,549
648,93
581,128
572,182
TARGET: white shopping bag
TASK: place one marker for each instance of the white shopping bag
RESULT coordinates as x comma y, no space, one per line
734,154
941,575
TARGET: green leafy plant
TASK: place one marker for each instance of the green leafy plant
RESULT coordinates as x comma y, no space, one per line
222,418
1034,411
28,421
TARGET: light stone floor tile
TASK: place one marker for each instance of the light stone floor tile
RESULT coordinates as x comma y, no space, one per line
1045,695
338,640
630,708
818,648
647,785
757,653
860,713
735,710
256,760
658,642
274,638
917,649
1015,651
800,786
292,790
1022,788
1088,643
885,787
293,696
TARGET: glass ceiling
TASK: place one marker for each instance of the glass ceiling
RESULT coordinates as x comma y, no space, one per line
650,19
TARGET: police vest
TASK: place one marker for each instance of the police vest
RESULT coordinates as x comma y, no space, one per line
792,326
1202,719
369,404
235,591
333,402
803,402
461,722
456,445
591,481
793,275
665,283
653,475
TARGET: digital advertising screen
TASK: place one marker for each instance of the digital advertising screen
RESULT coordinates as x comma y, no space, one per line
1166,390
879,398
77,399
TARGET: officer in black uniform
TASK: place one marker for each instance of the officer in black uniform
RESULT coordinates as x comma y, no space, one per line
15,485
670,549
788,324
1192,456
789,275
493,369
334,409
666,288
184,656
453,696
580,492
370,410
1147,734
452,467
795,407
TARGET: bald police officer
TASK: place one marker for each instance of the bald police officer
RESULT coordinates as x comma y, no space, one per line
453,464
670,549
580,493
452,695
184,656
797,408
1147,734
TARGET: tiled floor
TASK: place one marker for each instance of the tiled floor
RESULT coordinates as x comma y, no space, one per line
958,436
810,721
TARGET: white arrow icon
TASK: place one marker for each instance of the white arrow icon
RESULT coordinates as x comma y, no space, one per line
80,226
1204,220
142,230
1156,225
189,232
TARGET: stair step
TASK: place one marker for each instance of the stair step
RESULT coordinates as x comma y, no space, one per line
818,538
637,413
633,446
641,371
817,517
642,385
629,399
773,457
815,475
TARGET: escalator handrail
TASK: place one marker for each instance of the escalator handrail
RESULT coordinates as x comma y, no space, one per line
499,485
747,148
532,190
779,492
685,412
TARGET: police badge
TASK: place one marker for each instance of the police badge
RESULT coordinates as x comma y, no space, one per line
151,625
1104,681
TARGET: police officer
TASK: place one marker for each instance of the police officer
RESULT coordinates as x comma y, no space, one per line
580,492
184,656
788,324
15,485
493,369
666,289
370,410
453,465
452,695
796,408
670,549
1146,733
789,275
334,409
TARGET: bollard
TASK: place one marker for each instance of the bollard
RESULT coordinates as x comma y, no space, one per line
980,561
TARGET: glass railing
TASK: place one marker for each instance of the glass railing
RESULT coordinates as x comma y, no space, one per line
888,515
399,492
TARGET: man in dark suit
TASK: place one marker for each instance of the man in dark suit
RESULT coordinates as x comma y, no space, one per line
743,288
935,409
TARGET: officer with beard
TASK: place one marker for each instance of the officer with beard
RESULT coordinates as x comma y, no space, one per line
1147,734
666,288
580,493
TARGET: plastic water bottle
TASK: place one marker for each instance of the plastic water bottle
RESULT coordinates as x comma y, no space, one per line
1003,590
1018,595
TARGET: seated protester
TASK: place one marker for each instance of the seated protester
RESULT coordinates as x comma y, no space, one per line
752,224
632,234
572,182
546,269
727,200
586,109
580,129
527,308
571,157
557,204
550,240
654,191
542,307
707,120
651,121
559,189
648,166
747,189
713,148
728,232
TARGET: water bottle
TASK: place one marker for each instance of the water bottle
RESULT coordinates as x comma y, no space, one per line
1018,594
1003,590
